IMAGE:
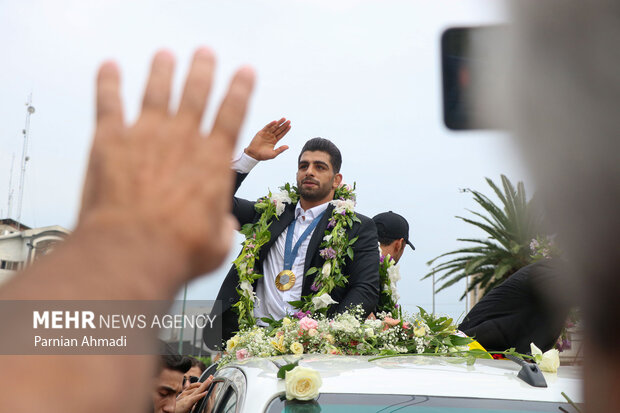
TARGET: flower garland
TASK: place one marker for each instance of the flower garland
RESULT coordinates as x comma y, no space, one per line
389,275
349,333
335,247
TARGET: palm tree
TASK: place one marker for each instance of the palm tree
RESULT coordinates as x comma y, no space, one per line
510,230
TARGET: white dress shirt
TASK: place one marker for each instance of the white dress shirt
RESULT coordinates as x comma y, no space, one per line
272,302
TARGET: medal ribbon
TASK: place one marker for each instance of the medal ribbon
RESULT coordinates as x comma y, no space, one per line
290,254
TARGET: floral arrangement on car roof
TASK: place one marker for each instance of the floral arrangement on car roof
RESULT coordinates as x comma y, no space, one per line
335,248
349,333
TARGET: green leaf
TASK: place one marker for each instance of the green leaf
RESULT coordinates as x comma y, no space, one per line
478,353
350,253
296,304
460,341
287,367
351,242
386,352
247,229
312,270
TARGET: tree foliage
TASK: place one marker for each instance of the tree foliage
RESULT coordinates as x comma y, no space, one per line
490,261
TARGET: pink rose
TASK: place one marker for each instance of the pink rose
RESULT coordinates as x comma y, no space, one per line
390,321
242,354
307,323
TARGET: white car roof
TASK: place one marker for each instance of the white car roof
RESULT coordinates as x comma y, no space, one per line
412,375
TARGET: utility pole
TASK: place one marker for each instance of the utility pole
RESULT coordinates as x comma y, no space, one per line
25,159
10,200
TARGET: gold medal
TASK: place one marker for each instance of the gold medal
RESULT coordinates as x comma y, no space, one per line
285,280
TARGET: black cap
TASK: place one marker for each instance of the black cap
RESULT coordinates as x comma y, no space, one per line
390,225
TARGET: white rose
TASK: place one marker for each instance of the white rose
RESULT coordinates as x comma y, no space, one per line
302,383
323,301
327,269
548,361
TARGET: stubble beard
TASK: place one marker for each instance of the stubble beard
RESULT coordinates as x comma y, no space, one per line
315,194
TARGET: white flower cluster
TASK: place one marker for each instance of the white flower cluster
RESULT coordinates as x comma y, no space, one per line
341,206
390,338
394,275
252,343
396,348
375,324
280,200
346,323
419,345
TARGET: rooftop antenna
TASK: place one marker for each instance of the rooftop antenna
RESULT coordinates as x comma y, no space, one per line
10,201
25,159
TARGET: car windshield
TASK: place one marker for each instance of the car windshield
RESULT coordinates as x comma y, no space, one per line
384,403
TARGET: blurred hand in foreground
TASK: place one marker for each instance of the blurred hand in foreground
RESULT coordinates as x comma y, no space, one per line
162,176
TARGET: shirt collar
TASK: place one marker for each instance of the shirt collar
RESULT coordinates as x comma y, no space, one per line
312,212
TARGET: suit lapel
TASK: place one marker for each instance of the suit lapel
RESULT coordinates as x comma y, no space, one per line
277,227
313,247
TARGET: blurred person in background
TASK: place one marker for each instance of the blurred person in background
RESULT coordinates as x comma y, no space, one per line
193,374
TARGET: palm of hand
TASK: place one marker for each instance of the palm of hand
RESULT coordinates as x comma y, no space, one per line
263,144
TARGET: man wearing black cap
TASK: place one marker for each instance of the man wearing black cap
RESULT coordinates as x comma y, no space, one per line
393,232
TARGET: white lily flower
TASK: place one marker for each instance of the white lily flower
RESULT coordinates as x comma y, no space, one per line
323,301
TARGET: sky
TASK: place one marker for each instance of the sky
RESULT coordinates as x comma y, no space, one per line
364,74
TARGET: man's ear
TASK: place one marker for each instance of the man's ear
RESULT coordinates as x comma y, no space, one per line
402,245
337,180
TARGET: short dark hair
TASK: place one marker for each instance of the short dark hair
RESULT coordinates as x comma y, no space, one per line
386,241
195,362
176,362
171,360
327,146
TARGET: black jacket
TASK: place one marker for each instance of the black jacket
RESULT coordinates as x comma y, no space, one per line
518,312
363,271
